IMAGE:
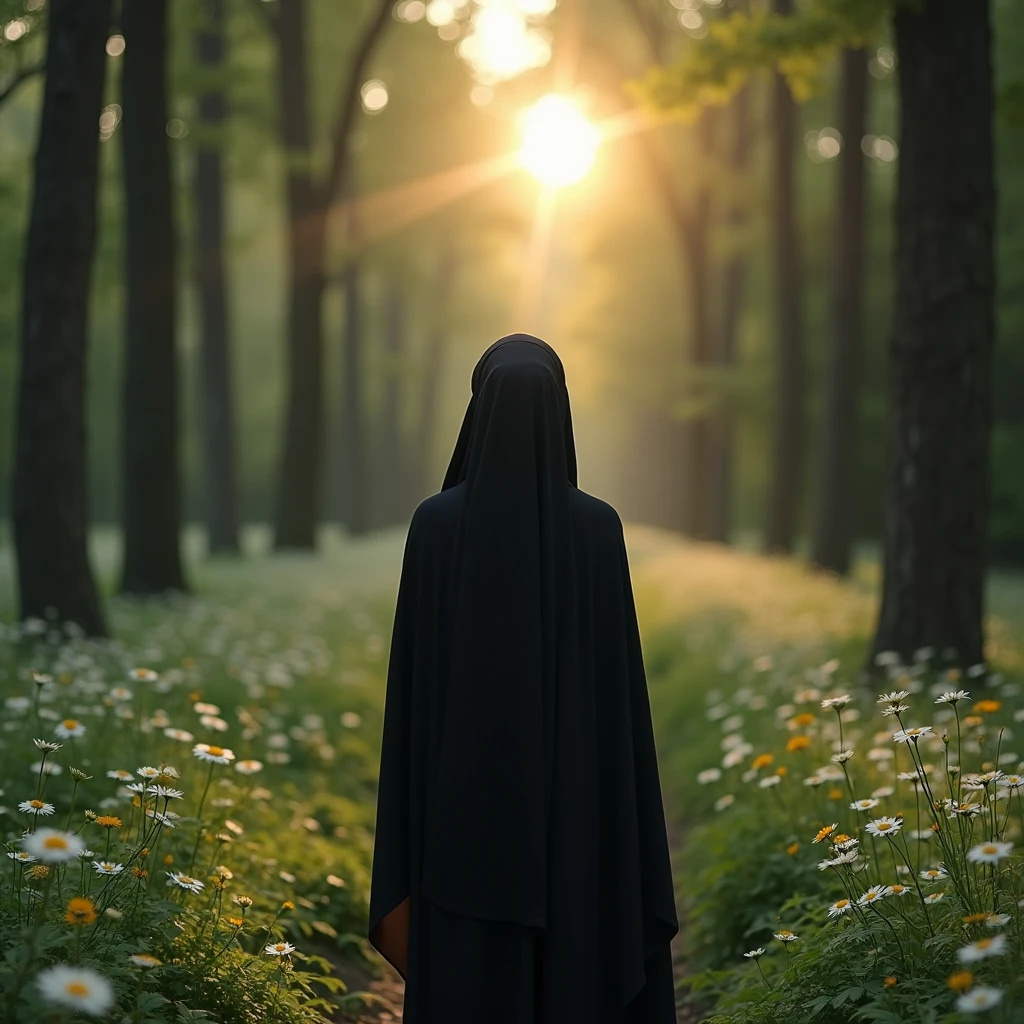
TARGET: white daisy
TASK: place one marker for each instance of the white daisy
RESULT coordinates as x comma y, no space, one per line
836,702
251,766
884,826
893,698
120,775
864,805
769,780
989,853
69,728
45,768
895,709
52,846
982,949
201,708
167,792
144,960
997,920
911,735
184,881
934,874
839,908
78,988
180,735
874,895
953,696
38,808
704,777
755,953
47,746
1012,781
980,998
22,857
213,754
934,897
279,949
842,756
724,801
107,867
147,772
786,936
143,675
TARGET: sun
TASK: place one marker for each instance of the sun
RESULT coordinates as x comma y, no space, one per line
559,143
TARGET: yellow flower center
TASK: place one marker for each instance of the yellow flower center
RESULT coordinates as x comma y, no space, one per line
984,943
216,751
883,826
55,843
69,723
988,848
839,904
37,803
77,988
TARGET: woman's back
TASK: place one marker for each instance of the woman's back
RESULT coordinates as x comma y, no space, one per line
519,810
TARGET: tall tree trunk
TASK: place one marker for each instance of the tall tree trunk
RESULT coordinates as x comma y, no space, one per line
437,343
298,499
151,498
391,472
217,398
941,350
49,500
787,446
734,280
698,430
353,415
837,462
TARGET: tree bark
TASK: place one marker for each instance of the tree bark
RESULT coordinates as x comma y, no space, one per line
353,415
734,280
151,498
49,500
437,344
837,461
211,278
392,467
698,430
787,446
298,500
940,355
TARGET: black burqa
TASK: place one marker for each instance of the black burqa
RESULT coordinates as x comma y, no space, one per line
519,805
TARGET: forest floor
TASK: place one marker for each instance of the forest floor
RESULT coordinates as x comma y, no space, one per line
705,612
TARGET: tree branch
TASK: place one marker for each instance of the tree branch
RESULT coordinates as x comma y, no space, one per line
348,100
20,77
269,18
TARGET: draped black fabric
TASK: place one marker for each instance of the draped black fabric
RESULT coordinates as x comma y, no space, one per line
519,804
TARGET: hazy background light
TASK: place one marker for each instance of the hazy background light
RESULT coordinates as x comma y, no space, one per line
14,30
115,46
176,128
559,143
410,10
374,94
440,12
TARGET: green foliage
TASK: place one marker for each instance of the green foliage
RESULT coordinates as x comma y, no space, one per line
277,840
800,46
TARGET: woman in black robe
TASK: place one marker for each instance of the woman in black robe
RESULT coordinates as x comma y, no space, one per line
521,867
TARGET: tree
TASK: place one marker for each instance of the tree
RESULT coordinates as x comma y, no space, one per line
50,515
151,485
309,200
937,494
837,462
211,279
734,282
786,475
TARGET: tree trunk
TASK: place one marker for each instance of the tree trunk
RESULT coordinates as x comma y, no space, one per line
734,279
787,447
217,399
151,498
698,429
837,463
353,415
940,354
298,501
437,343
391,471
49,500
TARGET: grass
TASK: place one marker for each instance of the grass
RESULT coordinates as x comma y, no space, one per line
291,651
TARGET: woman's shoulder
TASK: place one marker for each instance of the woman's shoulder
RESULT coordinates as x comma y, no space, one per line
594,517
439,512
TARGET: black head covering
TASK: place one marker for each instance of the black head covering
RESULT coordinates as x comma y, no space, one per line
513,634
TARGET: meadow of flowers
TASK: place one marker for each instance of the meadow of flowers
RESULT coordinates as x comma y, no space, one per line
186,812
865,845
